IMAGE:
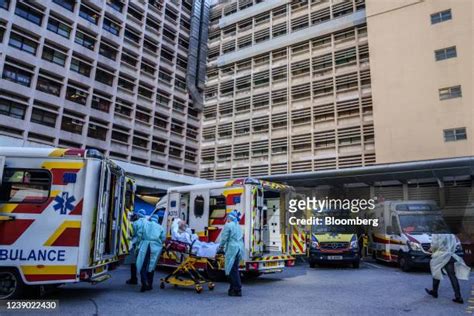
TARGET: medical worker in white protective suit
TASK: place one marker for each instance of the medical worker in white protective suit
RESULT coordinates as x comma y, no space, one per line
443,247
181,232
232,241
138,222
151,239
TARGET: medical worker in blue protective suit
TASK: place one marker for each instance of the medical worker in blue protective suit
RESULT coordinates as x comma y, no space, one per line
151,242
233,245
138,221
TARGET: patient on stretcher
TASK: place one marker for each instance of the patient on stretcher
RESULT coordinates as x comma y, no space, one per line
181,232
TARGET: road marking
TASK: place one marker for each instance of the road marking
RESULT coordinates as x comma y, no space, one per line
373,265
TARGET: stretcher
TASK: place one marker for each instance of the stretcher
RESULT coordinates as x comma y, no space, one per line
186,274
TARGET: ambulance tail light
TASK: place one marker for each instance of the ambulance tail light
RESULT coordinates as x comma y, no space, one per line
86,274
290,263
252,266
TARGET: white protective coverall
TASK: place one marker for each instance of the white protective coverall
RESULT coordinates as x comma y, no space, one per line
443,247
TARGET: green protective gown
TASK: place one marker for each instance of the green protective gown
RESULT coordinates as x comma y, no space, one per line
233,244
137,232
153,235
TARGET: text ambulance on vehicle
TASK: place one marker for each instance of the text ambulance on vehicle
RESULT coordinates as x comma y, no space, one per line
63,217
262,205
404,232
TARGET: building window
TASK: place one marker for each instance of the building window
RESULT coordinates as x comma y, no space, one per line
22,43
4,4
85,40
25,186
445,53
80,67
97,132
89,14
48,86
71,125
43,117
442,16
54,56
116,5
16,75
104,77
111,27
76,95
28,13
100,104
455,134
59,28
107,51
450,93
67,4
12,109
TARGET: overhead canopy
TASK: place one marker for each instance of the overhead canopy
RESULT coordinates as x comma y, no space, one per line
439,169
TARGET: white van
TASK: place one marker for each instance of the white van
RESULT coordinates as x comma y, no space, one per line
63,217
267,238
404,230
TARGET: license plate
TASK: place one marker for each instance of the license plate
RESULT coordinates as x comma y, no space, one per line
271,264
334,257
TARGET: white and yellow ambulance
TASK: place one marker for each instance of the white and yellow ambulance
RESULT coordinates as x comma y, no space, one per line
404,232
263,209
63,217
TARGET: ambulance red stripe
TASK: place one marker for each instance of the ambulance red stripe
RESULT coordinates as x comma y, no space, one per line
10,231
77,209
49,277
68,238
26,208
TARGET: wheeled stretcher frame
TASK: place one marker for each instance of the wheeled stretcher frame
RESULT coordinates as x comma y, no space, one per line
186,274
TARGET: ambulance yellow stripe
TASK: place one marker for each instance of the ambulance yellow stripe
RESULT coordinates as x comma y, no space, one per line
54,269
233,191
61,229
63,165
58,152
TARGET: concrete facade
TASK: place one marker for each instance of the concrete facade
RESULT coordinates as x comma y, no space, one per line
291,87
411,113
104,74
288,89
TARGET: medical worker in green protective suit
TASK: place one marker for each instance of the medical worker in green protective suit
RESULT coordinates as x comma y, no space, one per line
233,244
151,242
138,222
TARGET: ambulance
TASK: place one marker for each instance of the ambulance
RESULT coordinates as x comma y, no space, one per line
404,230
63,217
334,243
262,205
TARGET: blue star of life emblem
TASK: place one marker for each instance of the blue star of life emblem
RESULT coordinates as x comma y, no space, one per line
64,203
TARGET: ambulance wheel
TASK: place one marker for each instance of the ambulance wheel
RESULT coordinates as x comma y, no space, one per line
312,264
162,285
404,263
11,285
211,286
198,289
356,264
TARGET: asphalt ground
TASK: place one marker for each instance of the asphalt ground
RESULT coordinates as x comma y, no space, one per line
374,289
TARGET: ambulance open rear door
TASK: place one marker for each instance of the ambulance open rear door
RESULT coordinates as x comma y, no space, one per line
109,212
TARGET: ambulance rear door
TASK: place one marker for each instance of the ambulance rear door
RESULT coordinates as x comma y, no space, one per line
109,212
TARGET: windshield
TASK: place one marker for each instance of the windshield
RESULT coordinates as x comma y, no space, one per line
422,223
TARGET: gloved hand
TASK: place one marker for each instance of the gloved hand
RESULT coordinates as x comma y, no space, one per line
220,251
